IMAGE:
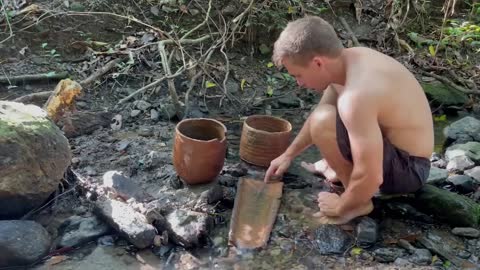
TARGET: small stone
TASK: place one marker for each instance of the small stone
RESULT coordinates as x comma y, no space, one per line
154,115
123,187
106,240
460,163
189,228
122,145
441,163
466,232
142,105
145,131
78,230
157,241
135,113
421,257
402,262
367,232
464,254
75,161
462,183
474,173
81,104
387,255
90,171
330,239
437,176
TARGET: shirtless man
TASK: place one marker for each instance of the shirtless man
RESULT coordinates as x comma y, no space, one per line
373,124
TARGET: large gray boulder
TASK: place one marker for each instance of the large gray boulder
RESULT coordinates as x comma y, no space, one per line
34,155
22,242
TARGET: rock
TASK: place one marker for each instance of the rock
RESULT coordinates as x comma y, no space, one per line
436,245
366,232
83,123
168,111
235,170
185,260
455,209
464,130
142,105
387,255
474,173
421,256
129,223
188,228
442,94
106,240
437,176
154,115
122,145
330,239
463,183
469,149
78,230
145,132
34,155
402,262
22,242
135,113
155,159
441,163
460,163
466,232
227,180
110,258
121,186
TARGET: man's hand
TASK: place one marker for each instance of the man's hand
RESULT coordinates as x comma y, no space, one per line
328,203
278,167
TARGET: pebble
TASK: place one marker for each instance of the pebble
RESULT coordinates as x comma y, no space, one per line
135,113
387,255
145,132
466,232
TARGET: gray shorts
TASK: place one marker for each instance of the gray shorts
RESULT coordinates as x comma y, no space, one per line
402,173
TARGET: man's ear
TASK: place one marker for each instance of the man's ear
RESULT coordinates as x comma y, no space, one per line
317,61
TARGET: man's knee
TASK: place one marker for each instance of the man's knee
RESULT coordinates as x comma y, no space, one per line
323,121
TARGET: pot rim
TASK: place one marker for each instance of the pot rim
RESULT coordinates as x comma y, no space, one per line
201,119
271,117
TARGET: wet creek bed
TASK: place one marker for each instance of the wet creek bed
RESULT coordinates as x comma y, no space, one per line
139,146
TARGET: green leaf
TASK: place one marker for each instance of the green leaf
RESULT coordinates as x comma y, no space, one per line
270,64
356,251
44,45
51,74
242,84
290,10
431,50
209,84
269,91
53,51
441,118
447,264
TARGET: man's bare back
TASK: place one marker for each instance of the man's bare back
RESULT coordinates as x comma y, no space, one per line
403,111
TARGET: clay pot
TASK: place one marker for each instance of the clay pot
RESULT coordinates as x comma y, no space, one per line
199,149
264,138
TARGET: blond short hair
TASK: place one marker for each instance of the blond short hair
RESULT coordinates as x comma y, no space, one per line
304,38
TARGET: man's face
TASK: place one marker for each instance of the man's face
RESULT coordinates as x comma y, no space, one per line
312,75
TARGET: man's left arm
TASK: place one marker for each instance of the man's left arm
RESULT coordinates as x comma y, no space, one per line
359,113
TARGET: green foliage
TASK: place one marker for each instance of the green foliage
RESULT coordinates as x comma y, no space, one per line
462,33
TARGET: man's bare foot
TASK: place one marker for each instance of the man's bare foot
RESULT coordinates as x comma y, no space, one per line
321,167
357,212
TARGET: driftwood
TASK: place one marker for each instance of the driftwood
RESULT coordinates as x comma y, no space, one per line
41,97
